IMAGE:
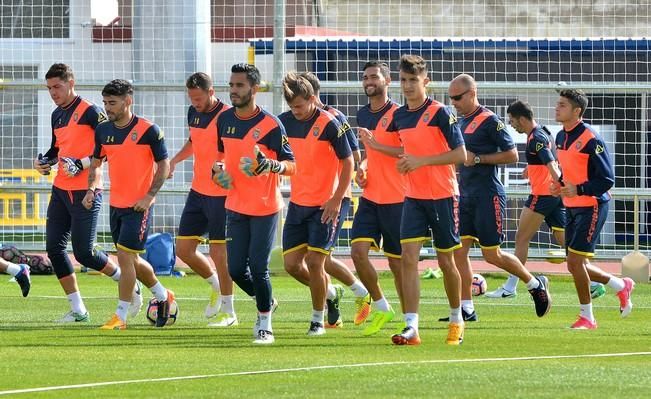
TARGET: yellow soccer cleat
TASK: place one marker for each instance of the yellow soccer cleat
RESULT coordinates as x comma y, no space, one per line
455,334
378,320
362,309
114,323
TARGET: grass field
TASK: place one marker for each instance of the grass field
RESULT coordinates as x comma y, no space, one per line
508,353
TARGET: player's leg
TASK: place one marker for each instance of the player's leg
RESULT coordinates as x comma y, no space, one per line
468,234
263,231
57,232
217,249
295,239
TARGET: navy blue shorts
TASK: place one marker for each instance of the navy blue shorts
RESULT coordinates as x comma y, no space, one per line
303,228
482,219
583,227
129,228
550,207
203,214
423,220
378,223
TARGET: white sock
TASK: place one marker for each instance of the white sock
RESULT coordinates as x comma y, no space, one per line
76,303
121,310
511,283
411,320
455,315
317,316
227,304
213,280
159,291
467,305
586,311
616,283
116,275
13,269
533,283
382,305
331,293
358,289
265,321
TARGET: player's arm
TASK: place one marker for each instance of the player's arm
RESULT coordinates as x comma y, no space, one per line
184,153
542,149
508,152
342,149
94,174
276,141
156,140
369,141
43,163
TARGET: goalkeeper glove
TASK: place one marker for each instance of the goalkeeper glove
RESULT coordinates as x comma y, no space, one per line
261,165
220,177
73,166
47,161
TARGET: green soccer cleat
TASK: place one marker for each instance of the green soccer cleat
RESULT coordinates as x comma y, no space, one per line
378,320
597,290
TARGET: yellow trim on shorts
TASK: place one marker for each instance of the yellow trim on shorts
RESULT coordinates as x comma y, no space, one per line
198,238
132,251
489,246
216,241
558,228
319,250
469,238
586,254
390,255
374,245
294,249
415,239
449,249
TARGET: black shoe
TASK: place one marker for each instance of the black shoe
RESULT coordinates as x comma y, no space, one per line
23,280
466,316
315,329
333,306
541,296
163,312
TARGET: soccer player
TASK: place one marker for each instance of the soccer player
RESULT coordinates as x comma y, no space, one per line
379,211
321,150
73,137
20,272
432,146
204,210
483,201
334,266
138,166
541,170
587,175
255,153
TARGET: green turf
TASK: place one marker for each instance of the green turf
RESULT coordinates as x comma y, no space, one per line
37,353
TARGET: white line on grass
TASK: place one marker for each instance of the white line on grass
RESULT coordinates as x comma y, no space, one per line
316,368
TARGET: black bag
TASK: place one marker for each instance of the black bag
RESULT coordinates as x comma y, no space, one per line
38,265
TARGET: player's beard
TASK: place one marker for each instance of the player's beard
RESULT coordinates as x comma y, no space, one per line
374,91
242,102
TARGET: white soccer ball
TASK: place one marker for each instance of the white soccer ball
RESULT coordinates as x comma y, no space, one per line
479,285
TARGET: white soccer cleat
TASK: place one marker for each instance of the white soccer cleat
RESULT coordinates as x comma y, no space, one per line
224,320
214,304
74,317
501,293
264,338
136,301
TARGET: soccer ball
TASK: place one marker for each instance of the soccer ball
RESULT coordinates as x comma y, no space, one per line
152,312
479,285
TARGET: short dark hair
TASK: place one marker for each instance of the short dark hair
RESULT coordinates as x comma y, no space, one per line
384,68
199,80
118,88
414,64
519,109
295,85
251,71
313,79
61,71
577,98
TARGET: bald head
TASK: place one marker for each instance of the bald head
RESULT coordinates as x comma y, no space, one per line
464,81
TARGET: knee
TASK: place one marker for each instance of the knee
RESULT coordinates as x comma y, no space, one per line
292,266
493,257
84,256
358,255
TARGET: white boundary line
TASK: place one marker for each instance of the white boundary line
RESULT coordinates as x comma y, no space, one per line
316,368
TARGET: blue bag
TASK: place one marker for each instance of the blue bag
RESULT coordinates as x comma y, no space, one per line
161,253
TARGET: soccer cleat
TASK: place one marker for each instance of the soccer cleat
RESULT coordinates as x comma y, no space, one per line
597,290
225,320
315,329
212,309
114,323
163,312
362,309
408,336
264,338
23,279
501,293
256,326
466,316
625,304
541,296
338,324
74,317
136,300
584,324
378,320
455,334
334,316
274,305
